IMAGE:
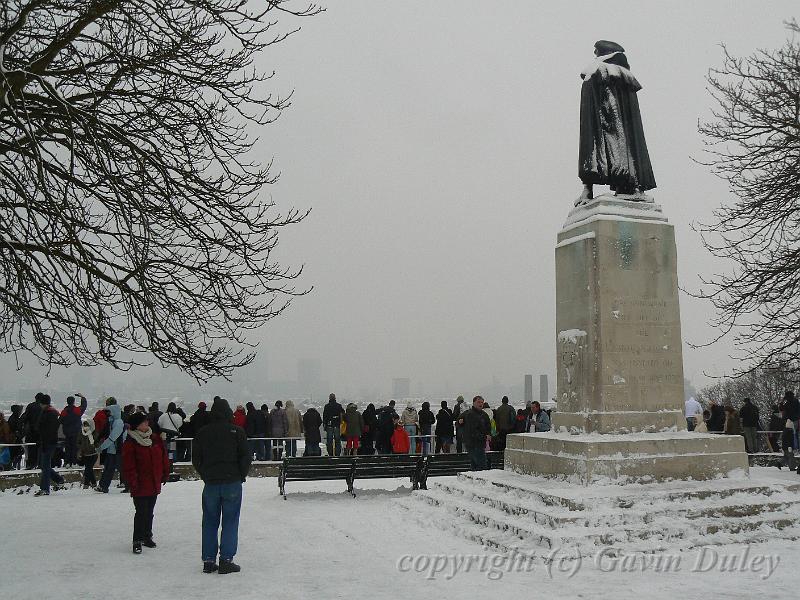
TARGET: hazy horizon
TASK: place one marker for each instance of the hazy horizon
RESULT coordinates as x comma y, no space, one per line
436,144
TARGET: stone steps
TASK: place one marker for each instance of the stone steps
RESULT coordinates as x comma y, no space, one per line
528,514
531,508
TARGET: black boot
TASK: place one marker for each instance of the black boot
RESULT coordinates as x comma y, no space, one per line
228,566
149,543
137,547
209,566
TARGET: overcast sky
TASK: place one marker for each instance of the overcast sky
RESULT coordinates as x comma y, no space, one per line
436,143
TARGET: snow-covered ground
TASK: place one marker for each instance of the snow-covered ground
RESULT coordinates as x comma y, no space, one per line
320,543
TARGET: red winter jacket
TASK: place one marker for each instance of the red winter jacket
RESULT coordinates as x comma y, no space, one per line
145,467
401,443
100,421
240,418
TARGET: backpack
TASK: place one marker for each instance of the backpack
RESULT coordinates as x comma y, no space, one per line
102,425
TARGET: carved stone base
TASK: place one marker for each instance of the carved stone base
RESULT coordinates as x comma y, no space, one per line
642,457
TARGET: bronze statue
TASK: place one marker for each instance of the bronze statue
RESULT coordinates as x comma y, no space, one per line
613,150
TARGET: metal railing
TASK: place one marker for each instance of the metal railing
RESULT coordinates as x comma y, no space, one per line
282,445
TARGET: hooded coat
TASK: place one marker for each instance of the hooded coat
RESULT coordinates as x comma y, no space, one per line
295,420
354,421
311,424
116,434
220,452
200,419
408,416
240,418
278,423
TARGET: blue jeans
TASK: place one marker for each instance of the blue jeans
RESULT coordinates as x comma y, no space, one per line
477,458
221,500
46,464
411,430
110,464
334,435
426,444
690,423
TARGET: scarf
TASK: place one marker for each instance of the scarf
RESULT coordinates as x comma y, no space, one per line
141,437
87,432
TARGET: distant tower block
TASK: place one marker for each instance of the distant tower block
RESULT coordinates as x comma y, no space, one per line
528,389
401,388
544,394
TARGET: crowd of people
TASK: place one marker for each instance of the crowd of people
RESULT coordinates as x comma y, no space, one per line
71,437
782,429
385,431
136,443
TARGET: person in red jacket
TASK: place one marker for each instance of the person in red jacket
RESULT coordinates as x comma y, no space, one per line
401,442
146,467
240,417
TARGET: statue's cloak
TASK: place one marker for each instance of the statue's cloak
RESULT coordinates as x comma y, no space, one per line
613,150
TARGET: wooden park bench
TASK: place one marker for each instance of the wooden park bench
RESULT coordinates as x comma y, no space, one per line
377,466
349,468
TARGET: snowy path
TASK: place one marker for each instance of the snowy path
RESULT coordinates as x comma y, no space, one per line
320,543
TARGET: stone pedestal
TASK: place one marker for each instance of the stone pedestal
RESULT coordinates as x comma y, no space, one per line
628,458
619,360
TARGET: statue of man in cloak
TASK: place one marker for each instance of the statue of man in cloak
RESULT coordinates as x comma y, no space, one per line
613,150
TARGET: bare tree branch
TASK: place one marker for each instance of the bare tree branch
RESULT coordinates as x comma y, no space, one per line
131,207
753,143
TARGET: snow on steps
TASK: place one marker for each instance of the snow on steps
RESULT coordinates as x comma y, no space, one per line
512,512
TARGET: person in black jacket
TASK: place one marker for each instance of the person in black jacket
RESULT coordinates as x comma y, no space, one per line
717,420
71,426
370,418
749,416
256,428
332,419
153,415
30,428
222,458
200,418
477,429
48,441
444,429
457,410
386,417
426,421
311,424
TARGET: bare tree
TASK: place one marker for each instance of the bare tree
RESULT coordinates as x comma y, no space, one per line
132,212
764,386
753,142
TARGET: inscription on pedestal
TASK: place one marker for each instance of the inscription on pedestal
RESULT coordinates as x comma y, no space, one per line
617,283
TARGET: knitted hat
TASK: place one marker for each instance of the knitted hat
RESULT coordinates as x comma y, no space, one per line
136,419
